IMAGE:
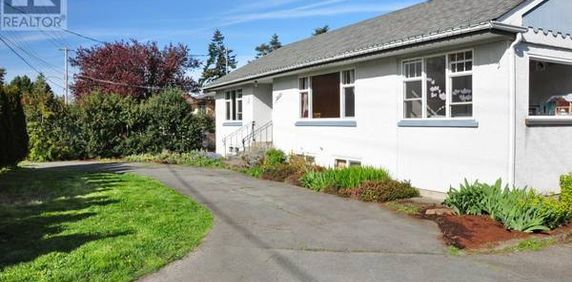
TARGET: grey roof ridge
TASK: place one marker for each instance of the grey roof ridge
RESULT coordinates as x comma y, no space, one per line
378,48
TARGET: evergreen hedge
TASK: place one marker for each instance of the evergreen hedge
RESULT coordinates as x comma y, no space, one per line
13,134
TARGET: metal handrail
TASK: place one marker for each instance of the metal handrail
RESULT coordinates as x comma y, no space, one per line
260,134
237,136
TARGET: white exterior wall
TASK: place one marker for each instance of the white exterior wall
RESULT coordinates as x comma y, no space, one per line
432,158
224,127
542,153
256,106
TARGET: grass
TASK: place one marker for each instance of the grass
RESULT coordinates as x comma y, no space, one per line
404,208
345,178
63,225
454,251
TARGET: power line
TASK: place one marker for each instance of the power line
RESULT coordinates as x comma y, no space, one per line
120,83
25,61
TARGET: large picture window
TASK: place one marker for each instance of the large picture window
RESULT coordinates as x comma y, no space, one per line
233,104
439,86
328,96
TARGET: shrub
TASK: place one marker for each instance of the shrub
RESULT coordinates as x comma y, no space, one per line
345,178
255,171
566,189
13,133
274,157
382,191
196,159
279,172
518,209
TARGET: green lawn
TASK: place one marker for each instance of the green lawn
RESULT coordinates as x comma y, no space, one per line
64,225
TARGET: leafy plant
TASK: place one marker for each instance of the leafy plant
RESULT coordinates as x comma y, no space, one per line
518,209
566,189
345,178
274,157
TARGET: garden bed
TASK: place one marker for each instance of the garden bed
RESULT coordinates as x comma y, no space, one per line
475,233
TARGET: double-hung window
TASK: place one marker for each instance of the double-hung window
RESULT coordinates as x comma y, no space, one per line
348,93
233,104
439,86
327,96
304,86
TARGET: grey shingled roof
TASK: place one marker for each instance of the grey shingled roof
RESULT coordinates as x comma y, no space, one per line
423,19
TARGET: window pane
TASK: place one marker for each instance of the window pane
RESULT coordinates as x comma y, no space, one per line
233,96
303,84
462,89
304,111
349,102
349,77
341,164
413,90
239,110
413,69
326,96
436,87
413,109
228,110
461,110
239,94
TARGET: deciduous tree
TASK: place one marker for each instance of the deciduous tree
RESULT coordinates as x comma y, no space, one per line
133,69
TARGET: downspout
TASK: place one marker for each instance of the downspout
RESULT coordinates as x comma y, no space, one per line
512,110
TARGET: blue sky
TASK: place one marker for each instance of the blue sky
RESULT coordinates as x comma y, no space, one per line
245,23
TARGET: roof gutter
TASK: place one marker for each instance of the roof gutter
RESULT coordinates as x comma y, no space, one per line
490,26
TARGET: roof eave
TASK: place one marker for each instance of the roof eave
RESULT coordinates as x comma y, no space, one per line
491,25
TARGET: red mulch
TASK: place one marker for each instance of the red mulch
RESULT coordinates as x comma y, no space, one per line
474,232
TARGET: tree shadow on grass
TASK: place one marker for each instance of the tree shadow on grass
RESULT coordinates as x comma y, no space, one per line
37,205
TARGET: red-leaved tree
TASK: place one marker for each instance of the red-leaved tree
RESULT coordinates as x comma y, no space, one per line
132,69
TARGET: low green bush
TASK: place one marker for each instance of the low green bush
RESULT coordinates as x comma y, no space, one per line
274,157
195,158
381,191
518,209
566,189
345,178
255,171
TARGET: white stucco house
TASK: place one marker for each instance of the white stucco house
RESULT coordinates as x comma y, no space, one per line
436,93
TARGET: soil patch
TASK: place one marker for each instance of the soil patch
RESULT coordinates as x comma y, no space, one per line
474,232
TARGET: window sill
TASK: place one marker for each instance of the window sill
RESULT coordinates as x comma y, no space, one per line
457,123
327,123
232,123
548,121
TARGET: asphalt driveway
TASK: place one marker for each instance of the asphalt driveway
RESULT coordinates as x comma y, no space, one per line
266,231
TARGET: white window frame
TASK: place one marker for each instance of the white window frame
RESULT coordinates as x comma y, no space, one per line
421,78
230,97
343,88
311,95
449,81
307,91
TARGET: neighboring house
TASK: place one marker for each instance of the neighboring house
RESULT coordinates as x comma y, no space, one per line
202,103
435,93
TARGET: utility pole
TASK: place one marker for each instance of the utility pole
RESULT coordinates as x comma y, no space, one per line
66,74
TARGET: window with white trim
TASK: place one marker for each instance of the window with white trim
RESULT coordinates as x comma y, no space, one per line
348,93
448,88
329,95
304,86
233,104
